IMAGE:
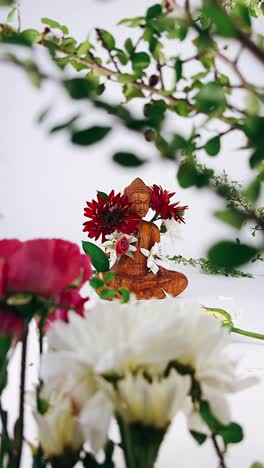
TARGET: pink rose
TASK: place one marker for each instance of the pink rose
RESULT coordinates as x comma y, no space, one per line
41,266
122,246
72,300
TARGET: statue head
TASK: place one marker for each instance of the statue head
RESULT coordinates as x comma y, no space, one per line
139,195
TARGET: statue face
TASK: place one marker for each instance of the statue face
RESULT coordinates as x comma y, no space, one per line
140,204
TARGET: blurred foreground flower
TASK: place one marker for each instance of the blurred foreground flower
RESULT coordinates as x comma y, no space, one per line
10,324
148,360
41,266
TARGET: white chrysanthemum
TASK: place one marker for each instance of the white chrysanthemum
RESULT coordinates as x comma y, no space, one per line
149,401
59,428
130,341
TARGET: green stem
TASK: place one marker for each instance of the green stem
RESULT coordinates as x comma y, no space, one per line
126,443
156,217
140,444
258,336
20,426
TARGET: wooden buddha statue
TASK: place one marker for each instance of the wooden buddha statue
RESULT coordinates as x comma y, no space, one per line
133,272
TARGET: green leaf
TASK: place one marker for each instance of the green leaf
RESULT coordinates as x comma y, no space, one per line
131,92
231,217
129,46
89,136
155,112
15,38
110,275
128,159
221,20
230,254
64,125
96,283
62,61
256,158
83,48
11,15
257,465
178,68
154,11
102,194
133,22
80,88
253,191
55,25
107,293
6,2
98,257
107,38
125,294
122,57
32,35
68,45
188,176
140,60
231,433
213,146
199,437
182,108
220,314
210,98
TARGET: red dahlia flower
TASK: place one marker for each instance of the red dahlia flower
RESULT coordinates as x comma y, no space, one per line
109,215
160,202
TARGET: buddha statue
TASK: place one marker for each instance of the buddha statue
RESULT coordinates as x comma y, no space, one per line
133,272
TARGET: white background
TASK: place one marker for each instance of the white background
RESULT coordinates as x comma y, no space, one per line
45,181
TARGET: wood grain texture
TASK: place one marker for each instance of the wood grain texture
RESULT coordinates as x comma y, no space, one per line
133,272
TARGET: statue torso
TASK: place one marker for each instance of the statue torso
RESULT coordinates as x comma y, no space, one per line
137,266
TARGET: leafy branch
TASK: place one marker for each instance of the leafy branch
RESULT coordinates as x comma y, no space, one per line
208,94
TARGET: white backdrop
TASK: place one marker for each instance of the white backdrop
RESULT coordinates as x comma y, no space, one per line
45,181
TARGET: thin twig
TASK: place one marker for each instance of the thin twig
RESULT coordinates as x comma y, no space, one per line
218,452
20,437
108,50
18,14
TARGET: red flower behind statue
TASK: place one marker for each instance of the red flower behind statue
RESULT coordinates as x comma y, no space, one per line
107,216
160,202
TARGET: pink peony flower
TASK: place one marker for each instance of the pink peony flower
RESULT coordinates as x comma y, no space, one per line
41,266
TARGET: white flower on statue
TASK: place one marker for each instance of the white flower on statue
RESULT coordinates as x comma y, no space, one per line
155,258
128,359
111,242
173,230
